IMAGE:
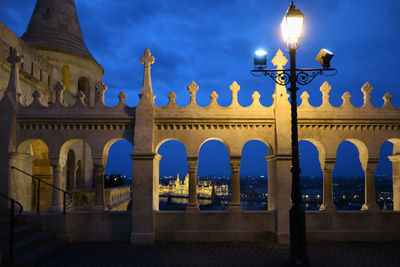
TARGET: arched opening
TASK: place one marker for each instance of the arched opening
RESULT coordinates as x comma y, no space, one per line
213,173
71,166
311,175
174,177
77,173
118,163
84,87
348,178
66,77
118,174
32,157
254,176
383,177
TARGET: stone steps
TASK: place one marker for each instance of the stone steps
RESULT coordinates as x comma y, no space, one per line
31,244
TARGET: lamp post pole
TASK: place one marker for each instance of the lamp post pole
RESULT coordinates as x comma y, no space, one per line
298,249
291,26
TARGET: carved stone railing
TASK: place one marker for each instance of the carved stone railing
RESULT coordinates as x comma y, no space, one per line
117,196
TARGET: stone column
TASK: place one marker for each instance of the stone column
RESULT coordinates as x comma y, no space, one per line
57,195
192,205
271,159
145,190
282,197
21,184
236,205
395,159
370,198
327,203
98,169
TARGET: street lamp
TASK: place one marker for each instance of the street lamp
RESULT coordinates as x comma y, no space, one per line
292,28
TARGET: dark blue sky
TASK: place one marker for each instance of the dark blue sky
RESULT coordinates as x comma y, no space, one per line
212,42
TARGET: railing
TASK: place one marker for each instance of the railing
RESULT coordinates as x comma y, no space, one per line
65,193
11,238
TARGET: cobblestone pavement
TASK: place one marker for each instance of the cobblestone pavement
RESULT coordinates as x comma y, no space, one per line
223,254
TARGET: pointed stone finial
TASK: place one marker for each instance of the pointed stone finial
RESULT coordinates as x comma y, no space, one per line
171,97
101,88
122,97
234,88
147,60
13,83
214,97
367,89
387,98
279,60
256,98
193,88
325,89
346,98
36,96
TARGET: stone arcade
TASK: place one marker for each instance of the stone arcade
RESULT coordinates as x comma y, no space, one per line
55,125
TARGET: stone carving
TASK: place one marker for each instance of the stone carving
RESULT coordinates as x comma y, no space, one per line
193,88
304,100
214,97
256,98
387,98
121,97
234,88
367,89
147,59
346,99
279,60
325,89
101,88
59,88
81,98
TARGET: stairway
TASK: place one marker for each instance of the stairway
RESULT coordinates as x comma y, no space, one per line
31,244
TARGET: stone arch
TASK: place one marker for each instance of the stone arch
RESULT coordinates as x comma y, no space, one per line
173,175
253,188
84,87
32,156
216,139
167,140
362,151
313,182
84,169
321,150
108,145
355,198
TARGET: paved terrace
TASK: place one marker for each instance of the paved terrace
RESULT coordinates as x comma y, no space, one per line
327,254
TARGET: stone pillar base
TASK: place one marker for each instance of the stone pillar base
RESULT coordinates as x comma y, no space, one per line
142,238
192,208
326,208
370,207
235,207
55,209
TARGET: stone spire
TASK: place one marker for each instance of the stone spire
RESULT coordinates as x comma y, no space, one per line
54,25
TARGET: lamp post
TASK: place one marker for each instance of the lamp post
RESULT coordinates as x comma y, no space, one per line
292,27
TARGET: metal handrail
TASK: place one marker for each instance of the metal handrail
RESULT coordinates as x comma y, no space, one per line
12,216
38,190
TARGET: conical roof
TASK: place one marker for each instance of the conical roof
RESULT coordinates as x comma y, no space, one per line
54,25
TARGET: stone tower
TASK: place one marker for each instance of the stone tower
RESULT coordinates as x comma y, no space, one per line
54,31
54,25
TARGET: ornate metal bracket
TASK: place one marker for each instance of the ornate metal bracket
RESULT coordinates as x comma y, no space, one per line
303,76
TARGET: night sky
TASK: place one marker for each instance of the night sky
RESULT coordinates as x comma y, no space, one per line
212,42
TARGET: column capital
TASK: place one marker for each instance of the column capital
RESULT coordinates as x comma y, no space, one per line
372,163
192,163
329,164
235,163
